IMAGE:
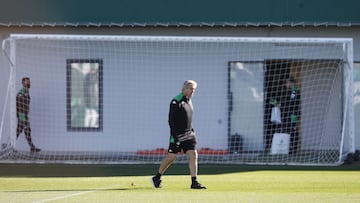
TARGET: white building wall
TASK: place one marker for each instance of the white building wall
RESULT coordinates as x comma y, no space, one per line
211,125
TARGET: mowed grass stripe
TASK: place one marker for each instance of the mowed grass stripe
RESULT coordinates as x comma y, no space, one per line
254,186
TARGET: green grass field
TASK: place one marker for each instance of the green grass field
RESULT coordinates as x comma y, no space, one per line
226,183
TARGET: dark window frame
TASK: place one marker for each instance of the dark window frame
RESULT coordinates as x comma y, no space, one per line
68,95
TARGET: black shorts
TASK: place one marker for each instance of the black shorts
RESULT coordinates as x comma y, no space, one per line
177,146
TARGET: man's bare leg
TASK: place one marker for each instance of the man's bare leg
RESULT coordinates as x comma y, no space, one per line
193,166
166,163
193,162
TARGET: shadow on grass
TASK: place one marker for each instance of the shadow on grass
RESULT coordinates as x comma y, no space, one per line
60,170
70,190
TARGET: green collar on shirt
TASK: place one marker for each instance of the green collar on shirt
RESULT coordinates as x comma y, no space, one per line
179,97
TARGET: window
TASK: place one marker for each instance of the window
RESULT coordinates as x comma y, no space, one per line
246,97
84,94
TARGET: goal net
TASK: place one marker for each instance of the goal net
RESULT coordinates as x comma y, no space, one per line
105,99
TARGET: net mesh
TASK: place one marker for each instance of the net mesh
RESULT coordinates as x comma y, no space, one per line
105,99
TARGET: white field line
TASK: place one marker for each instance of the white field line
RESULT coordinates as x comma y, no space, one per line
73,195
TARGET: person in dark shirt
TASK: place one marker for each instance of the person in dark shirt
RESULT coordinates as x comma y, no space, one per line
289,103
22,113
290,109
182,135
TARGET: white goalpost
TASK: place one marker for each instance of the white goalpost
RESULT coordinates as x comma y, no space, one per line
105,99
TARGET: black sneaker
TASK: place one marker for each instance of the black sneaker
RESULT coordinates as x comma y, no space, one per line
156,182
197,185
34,149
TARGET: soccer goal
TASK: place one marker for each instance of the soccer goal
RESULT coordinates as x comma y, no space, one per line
105,99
